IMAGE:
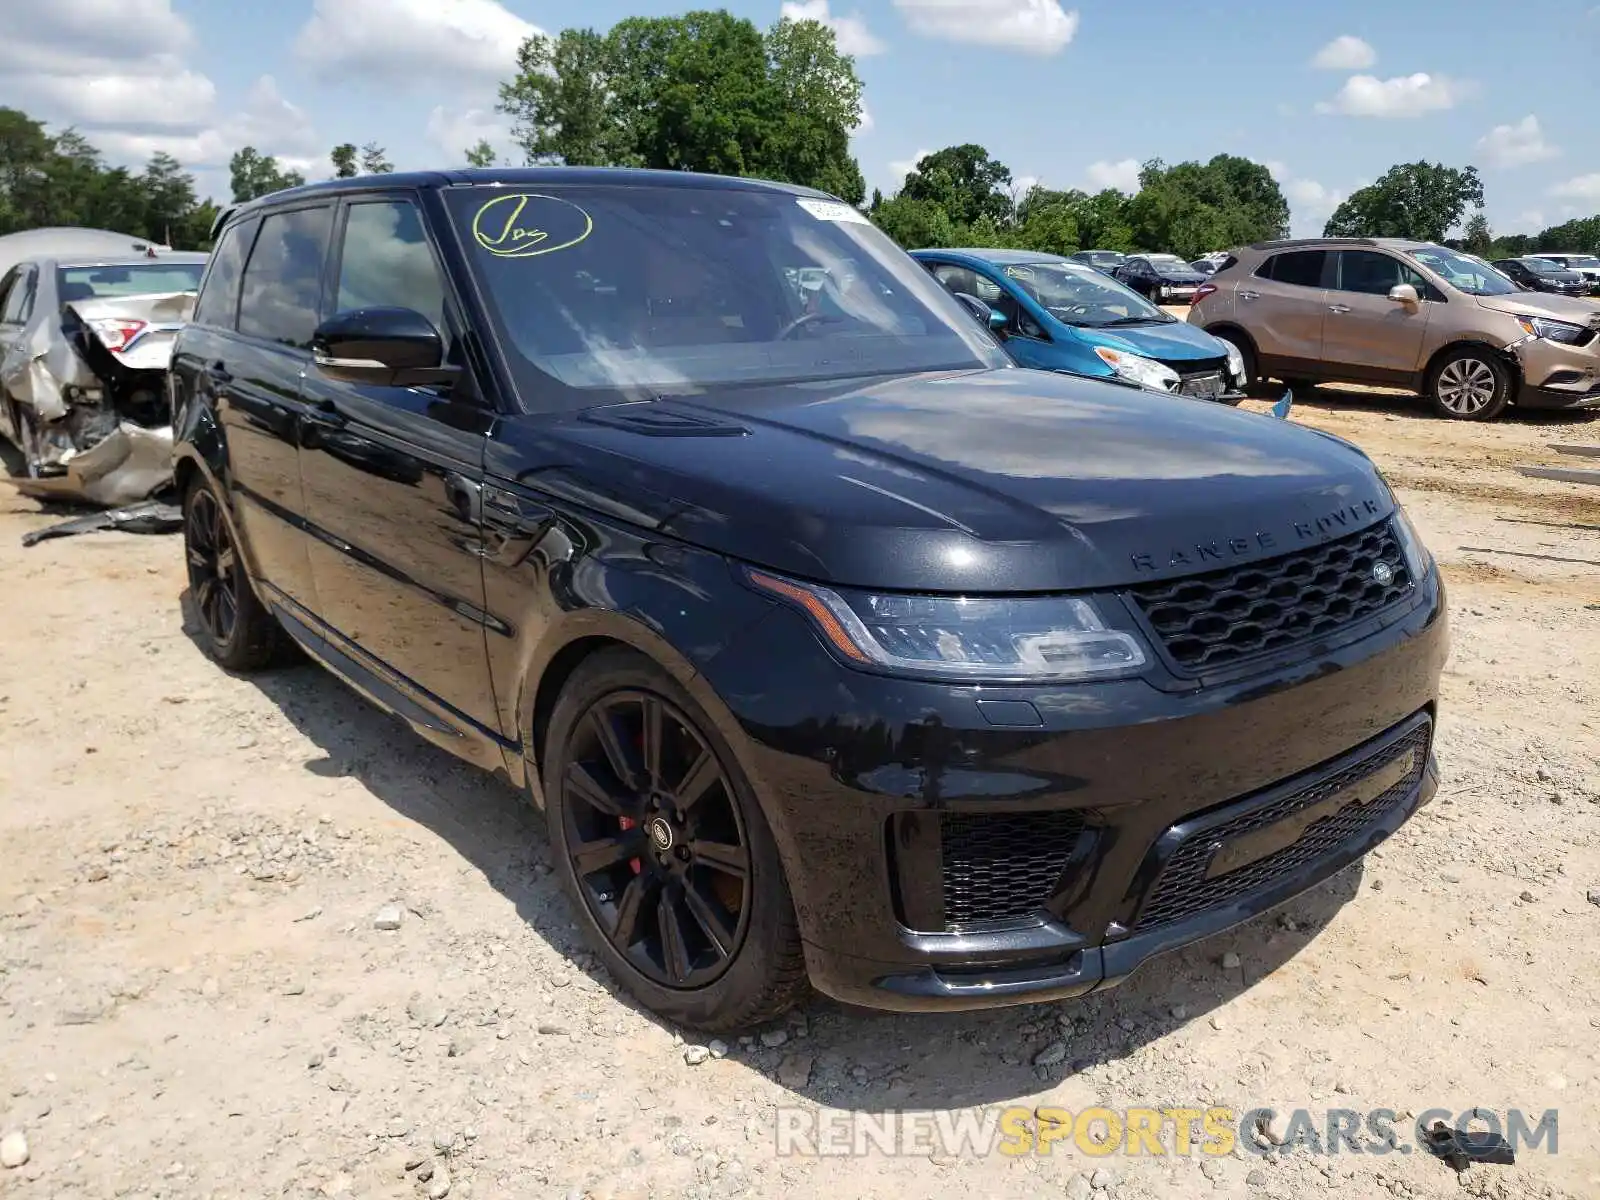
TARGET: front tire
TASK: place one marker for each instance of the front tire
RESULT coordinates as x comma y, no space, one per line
662,845
1469,384
235,627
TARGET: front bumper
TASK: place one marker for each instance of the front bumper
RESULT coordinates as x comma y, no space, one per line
864,778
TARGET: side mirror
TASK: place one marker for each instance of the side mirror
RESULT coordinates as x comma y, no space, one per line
1404,293
991,319
389,347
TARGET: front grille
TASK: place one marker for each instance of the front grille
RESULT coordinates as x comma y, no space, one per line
1183,891
1186,367
1211,620
999,867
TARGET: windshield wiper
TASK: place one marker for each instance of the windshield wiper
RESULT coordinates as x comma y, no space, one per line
1152,319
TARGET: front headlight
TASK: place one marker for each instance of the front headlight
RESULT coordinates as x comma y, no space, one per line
1552,331
1418,561
1146,372
1035,639
1235,363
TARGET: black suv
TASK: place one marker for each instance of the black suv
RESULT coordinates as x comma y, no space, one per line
832,643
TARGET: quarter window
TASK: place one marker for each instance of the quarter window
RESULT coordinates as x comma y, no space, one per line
219,293
19,299
1302,268
281,292
388,263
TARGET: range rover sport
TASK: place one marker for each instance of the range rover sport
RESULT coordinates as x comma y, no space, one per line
834,646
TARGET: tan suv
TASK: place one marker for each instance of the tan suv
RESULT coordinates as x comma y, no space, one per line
1403,314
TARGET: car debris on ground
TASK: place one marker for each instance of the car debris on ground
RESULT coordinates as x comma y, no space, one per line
147,516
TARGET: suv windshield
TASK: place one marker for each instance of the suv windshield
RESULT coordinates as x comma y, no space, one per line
1171,266
672,290
1465,274
1082,296
136,279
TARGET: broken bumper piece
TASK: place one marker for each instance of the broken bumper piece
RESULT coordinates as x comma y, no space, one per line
129,464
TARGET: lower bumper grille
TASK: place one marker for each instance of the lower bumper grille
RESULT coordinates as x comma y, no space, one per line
1285,836
1003,866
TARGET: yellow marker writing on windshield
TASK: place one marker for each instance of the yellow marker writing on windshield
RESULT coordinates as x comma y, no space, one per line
524,224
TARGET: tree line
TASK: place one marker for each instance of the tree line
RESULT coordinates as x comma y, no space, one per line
708,91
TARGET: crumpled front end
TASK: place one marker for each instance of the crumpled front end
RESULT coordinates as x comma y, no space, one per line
95,384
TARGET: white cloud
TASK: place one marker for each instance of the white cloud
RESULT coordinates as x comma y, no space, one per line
1311,203
866,123
1345,53
461,41
1531,221
1516,144
849,31
1021,185
266,121
1124,175
1402,96
116,70
455,131
1032,26
1584,187
901,167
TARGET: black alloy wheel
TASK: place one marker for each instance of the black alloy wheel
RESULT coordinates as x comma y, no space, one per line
656,839
213,566
235,628
660,838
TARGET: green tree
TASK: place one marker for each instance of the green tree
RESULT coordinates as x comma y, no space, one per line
1047,221
1420,200
25,152
253,174
481,155
965,182
914,223
1193,207
169,200
1477,237
1581,236
374,160
344,161
705,91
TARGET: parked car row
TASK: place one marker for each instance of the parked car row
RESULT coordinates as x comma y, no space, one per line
834,645
1539,274
1403,314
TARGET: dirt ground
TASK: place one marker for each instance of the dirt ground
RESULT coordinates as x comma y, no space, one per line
197,998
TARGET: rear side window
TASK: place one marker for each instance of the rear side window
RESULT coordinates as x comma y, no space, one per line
280,294
388,263
19,298
219,291
1303,268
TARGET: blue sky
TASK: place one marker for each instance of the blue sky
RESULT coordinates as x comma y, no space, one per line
1072,94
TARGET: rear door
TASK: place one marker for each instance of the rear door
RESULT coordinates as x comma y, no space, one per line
394,481
254,372
1283,306
1366,333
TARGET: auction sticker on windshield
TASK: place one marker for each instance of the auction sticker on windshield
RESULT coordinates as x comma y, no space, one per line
833,210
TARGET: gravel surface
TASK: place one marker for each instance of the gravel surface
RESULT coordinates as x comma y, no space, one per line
258,939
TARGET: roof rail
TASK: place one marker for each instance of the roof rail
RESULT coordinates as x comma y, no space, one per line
1338,241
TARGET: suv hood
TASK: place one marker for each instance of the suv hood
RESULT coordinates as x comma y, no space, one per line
1546,304
985,481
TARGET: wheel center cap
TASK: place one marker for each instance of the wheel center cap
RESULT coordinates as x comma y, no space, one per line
661,837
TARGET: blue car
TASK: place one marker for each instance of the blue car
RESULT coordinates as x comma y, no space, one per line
1055,314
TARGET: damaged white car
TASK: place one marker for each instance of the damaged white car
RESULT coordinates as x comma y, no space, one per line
85,344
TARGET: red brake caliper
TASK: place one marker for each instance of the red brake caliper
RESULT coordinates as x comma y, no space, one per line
628,823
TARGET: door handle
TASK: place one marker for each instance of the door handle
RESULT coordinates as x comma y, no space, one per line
324,413
1249,295
1339,308
466,494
